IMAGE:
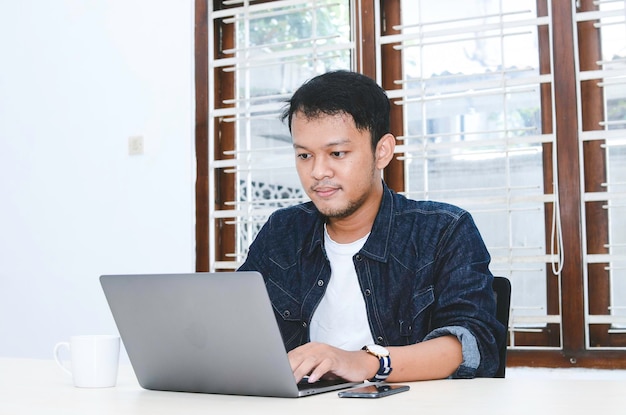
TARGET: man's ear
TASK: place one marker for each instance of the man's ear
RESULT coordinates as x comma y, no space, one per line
384,150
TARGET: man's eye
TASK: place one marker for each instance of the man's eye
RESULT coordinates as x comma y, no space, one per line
338,154
304,156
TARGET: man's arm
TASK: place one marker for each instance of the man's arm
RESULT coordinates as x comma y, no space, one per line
437,358
432,359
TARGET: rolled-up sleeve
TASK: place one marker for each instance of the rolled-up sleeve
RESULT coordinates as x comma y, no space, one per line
469,346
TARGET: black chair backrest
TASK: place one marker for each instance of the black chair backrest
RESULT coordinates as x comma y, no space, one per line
502,290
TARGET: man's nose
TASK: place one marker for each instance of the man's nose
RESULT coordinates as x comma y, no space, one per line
321,168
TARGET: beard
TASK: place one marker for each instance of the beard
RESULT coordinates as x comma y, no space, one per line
343,212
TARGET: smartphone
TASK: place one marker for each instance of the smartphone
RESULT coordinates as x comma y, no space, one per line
377,390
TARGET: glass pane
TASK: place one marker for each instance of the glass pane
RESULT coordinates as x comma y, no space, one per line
617,227
279,45
473,134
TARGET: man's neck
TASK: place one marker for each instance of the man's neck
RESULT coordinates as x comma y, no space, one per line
354,227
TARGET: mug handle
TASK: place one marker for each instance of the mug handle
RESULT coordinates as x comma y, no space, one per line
57,349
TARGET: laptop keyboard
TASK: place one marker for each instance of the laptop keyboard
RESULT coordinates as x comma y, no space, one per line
304,383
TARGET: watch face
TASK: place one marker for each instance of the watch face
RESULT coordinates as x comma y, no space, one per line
378,350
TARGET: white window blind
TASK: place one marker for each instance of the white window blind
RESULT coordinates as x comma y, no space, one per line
471,100
610,19
279,45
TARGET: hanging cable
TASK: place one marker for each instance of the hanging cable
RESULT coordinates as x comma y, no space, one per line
556,234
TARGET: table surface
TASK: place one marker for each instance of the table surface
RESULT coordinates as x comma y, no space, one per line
30,386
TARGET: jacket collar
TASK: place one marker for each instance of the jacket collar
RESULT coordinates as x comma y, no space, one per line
377,245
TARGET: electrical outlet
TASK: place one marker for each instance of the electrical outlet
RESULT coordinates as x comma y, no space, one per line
135,145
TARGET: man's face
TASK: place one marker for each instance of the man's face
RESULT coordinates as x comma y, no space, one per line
336,164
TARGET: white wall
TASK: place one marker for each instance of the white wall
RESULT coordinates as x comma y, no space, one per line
77,78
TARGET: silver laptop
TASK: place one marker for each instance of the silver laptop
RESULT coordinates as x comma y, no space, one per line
204,332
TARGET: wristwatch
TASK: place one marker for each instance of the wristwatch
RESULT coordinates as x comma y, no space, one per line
383,357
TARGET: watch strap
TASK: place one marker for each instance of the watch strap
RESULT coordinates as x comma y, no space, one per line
383,370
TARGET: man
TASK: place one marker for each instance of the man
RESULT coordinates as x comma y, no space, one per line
365,283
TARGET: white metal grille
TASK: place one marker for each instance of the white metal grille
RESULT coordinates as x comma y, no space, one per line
610,19
471,98
279,45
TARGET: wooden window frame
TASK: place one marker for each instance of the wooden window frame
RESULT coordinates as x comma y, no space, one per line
573,352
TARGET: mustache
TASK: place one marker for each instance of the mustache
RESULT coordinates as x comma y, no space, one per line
325,184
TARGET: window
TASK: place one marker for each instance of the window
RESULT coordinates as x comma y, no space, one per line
471,100
275,47
490,115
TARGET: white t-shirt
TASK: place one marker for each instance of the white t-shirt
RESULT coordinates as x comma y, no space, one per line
341,317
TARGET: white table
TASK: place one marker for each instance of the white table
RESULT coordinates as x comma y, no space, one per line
29,386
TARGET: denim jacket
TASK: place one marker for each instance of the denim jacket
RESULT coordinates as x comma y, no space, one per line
423,273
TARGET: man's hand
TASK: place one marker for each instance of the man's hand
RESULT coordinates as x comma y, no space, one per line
321,360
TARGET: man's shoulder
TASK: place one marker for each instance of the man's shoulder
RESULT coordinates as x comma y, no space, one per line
286,229
300,214
406,206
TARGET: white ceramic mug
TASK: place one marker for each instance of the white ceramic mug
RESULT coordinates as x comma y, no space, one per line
94,360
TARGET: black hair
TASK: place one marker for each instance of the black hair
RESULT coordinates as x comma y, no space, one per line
343,92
